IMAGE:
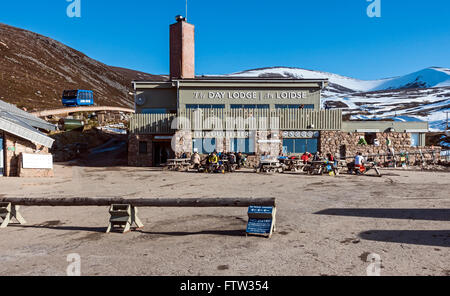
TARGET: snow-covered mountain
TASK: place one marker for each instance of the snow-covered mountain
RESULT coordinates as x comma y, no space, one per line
422,95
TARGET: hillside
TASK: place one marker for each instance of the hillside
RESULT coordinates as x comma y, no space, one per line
34,70
422,95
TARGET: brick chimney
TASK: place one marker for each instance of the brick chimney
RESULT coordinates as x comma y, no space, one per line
182,49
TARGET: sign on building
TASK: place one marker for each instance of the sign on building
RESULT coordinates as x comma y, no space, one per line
37,161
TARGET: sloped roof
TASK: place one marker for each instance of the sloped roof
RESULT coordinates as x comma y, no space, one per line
22,124
26,117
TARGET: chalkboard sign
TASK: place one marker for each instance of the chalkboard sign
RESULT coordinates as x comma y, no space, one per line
261,220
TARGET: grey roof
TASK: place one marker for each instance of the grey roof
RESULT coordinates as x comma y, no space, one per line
26,117
22,124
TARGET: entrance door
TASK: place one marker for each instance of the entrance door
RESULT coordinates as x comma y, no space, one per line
343,151
1,156
162,151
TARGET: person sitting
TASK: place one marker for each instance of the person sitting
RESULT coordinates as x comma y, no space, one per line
359,164
305,157
317,156
232,158
195,160
212,162
265,156
213,159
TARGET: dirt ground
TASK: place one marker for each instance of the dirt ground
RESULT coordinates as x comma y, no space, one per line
325,225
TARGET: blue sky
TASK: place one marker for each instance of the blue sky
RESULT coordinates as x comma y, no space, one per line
328,35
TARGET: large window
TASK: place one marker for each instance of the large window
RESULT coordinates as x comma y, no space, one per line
294,106
244,145
249,106
299,146
205,106
154,111
204,146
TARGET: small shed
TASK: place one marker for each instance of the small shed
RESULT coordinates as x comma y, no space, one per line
24,147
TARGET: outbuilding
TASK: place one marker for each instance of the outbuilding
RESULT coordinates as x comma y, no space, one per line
24,149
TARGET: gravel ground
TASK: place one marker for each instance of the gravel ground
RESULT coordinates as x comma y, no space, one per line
325,225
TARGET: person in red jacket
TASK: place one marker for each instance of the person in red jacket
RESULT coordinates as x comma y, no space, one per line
306,156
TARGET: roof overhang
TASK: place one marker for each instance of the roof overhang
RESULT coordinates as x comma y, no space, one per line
232,82
22,131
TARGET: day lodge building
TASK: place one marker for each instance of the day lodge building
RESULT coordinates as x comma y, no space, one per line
188,113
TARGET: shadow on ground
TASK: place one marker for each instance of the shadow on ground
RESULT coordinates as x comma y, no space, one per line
211,232
413,214
103,230
438,238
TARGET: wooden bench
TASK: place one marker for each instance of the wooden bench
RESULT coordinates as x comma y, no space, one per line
178,164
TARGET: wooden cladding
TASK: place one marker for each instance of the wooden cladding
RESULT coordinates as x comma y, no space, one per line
237,119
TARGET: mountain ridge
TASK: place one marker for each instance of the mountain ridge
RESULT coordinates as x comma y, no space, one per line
423,95
35,69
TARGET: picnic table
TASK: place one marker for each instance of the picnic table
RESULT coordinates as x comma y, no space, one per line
269,166
178,164
371,165
318,167
292,164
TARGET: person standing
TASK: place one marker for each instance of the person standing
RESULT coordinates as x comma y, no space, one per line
390,150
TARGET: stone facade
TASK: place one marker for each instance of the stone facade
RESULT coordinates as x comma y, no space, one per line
341,144
140,159
268,142
14,147
345,144
183,142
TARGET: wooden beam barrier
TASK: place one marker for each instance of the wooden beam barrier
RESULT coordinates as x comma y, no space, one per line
141,202
123,211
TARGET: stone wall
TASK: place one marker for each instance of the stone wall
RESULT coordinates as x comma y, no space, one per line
139,159
274,148
345,144
183,143
14,146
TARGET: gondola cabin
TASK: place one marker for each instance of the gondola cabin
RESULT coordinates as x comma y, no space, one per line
73,98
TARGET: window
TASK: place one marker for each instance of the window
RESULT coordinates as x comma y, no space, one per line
300,146
143,147
244,145
370,138
294,106
205,106
154,111
204,146
415,140
249,106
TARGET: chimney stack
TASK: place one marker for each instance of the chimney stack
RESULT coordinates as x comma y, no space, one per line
182,49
